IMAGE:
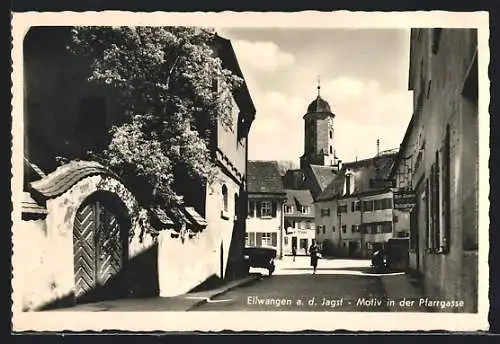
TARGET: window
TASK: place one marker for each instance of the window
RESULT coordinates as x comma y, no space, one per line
342,208
344,229
318,229
331,150
368,205
325,212
266,239
308,224
353,206
446,182
377,204
266,209
250,239
224,198
236,207
305,209
387,203
348,184
288,209
333,228
387,227
434,235
251,208
379,228
368,229
354,228
324,229
285,241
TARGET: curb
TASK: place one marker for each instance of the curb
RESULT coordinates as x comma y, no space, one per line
223,290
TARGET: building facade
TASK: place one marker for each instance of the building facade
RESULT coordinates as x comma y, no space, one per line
299,221
266,197
170,251
354,215
437,167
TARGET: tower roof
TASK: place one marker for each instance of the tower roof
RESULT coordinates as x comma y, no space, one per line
319,105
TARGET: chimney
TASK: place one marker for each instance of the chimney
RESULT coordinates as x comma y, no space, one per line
378,147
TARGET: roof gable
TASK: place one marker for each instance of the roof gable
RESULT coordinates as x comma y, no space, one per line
264,177
364,172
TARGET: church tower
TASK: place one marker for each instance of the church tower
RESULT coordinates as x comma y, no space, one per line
319,134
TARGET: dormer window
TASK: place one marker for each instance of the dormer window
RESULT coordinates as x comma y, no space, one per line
349,183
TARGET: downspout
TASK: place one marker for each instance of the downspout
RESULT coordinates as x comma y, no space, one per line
282,220
361,224
339,215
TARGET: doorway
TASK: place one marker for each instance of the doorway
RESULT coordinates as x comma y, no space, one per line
99,250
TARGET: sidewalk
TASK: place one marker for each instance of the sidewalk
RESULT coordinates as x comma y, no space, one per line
181,303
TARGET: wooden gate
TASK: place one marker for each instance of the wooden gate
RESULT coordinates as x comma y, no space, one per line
98,251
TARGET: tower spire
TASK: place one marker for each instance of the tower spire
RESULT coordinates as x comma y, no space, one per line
319,85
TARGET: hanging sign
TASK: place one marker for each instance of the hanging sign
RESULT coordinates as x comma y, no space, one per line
404,200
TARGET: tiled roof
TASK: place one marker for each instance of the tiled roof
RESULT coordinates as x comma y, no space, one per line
65,176
298,197
264,177
364,171
323,175
31,209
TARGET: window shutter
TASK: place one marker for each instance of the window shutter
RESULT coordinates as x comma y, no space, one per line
251,206
274,206
258,239
274,239
258,209
252,239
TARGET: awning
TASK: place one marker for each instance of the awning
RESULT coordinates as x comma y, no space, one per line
178,217
160,216
195,218
31,210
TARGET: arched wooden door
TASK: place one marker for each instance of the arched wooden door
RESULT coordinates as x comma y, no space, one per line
99,251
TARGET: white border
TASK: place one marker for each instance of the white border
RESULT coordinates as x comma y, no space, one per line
262,321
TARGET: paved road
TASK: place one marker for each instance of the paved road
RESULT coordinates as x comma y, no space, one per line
339,285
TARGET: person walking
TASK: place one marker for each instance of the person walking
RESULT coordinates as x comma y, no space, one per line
314,253
294,252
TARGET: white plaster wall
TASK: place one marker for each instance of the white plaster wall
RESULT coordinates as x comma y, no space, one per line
31,282
46,258
183,265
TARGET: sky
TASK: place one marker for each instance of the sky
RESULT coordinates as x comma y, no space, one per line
363,75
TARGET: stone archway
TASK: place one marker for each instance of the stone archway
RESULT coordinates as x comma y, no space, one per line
100,248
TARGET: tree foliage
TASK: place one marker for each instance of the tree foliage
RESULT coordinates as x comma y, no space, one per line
165,78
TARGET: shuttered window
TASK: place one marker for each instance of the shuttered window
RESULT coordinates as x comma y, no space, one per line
258,239
274,239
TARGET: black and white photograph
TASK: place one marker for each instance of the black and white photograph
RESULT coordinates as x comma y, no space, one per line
218,171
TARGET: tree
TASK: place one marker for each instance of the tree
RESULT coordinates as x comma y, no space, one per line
165,77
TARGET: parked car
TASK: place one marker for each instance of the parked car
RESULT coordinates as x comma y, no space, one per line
261,257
